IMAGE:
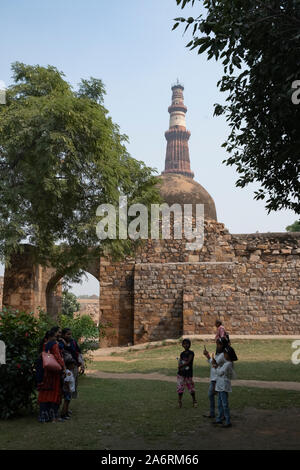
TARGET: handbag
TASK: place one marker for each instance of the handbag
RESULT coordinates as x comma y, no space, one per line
50,363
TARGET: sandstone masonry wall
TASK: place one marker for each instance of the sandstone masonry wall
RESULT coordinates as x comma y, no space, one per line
89,307
26,282
116,301
158,301
186,298
249,280
251,298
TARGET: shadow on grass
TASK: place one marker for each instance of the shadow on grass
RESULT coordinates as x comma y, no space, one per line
129,414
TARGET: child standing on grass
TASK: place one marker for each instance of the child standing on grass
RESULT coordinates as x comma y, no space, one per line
219,359
223,385
185,373
68,389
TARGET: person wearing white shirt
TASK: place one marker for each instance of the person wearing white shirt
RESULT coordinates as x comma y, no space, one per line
219,359
223,385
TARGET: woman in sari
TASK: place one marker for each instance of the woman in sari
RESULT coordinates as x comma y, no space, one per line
50,387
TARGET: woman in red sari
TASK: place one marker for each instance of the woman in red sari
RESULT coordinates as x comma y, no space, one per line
50,388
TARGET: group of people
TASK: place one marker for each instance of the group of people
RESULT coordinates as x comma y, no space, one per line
221,374
57,386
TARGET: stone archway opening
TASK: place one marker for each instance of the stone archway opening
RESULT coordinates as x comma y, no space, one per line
88,296
90,306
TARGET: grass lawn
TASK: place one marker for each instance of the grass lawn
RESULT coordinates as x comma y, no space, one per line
258,360
129,414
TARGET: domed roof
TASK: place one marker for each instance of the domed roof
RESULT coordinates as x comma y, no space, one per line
179,189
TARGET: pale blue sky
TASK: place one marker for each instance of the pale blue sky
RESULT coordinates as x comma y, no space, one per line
130,46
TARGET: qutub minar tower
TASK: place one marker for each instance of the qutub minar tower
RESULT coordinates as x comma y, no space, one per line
177,180
177,155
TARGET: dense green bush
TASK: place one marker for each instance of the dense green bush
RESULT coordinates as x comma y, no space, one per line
22,334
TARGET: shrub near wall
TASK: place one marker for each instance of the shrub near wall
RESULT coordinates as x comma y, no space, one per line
84,331
20,333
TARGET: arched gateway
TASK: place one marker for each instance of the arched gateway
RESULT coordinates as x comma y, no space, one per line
251,281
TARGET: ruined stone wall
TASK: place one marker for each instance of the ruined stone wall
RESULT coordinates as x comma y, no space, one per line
158,301
117,294
251,298
249,280
25,285
186,298
89,307
19,283
161,308
116,301
165,290
217,247
46,297
268,247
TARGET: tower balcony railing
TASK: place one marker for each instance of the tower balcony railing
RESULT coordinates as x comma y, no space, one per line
177,107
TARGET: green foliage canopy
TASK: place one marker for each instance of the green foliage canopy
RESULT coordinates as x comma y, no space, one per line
295,227
258,43
61,156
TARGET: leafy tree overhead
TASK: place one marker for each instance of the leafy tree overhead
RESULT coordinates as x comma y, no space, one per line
295,227
258,43
61,155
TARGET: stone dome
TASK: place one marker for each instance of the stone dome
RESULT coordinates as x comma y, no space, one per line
179,189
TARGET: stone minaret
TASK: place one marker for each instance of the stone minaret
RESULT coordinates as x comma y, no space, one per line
177,155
